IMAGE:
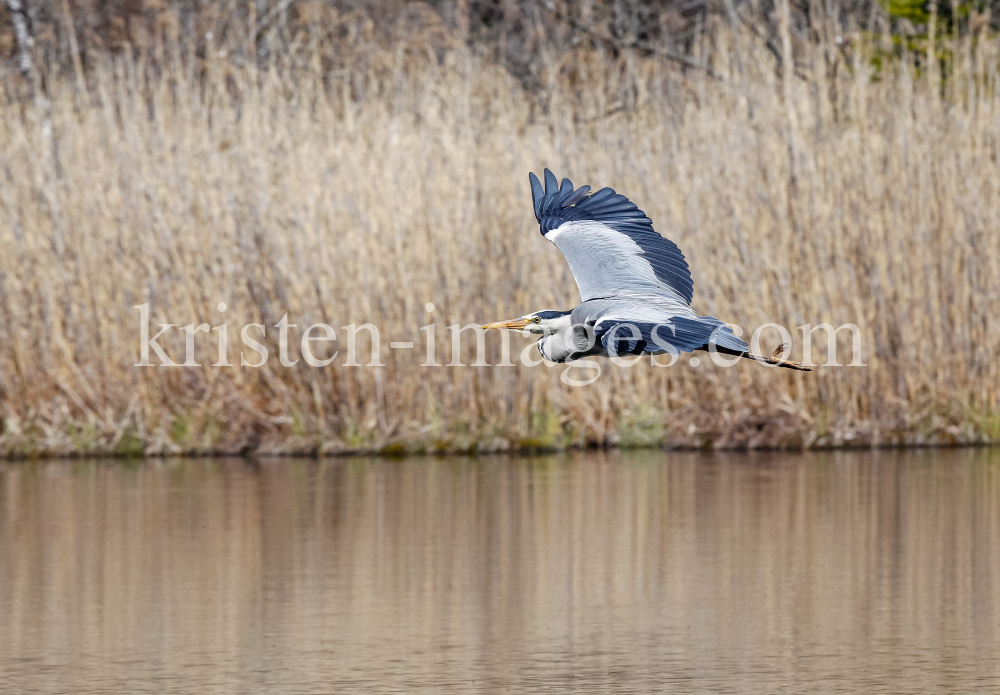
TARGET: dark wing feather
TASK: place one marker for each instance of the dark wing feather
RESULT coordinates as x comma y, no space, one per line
556,204
675,335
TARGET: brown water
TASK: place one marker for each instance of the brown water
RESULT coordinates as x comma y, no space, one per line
619,572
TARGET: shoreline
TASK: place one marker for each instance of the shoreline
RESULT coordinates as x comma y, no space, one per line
418,450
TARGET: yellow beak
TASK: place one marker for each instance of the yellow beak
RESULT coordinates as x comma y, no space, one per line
512,324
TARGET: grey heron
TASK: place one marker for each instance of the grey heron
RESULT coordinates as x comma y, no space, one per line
635,284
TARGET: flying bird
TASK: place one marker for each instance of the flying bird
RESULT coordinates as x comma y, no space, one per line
635,284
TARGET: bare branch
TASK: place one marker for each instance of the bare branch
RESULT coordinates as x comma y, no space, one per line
25,42
641,45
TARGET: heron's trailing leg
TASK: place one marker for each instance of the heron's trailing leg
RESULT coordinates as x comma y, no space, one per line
773,359
776,358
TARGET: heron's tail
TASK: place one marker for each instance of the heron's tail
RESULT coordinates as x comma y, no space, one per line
723,337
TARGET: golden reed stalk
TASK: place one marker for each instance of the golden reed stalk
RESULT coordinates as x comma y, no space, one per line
833,194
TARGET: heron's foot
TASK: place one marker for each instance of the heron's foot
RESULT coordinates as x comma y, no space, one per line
776,358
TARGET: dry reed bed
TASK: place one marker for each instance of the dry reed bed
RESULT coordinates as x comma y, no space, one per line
823,197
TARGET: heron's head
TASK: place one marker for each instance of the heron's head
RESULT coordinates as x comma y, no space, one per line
540,322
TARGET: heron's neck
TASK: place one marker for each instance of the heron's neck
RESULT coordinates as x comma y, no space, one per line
559,325
557,346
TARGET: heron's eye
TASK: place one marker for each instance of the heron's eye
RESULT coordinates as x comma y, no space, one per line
537,319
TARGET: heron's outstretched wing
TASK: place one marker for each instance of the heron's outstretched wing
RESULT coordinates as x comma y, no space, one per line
609,243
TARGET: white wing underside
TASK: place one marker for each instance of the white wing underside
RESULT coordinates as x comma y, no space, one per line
608,264
642,311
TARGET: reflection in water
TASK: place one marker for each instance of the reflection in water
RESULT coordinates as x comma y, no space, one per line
592,572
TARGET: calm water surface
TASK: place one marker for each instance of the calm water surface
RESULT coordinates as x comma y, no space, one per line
618,572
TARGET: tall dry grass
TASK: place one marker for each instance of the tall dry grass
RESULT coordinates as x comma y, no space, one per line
830,193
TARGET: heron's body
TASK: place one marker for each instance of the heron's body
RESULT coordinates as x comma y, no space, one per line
635,285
